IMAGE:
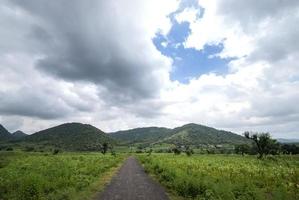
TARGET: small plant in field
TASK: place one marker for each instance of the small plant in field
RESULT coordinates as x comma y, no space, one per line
56,151
150,152
113,153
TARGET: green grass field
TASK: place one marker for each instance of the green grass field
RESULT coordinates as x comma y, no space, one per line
225,176
34,176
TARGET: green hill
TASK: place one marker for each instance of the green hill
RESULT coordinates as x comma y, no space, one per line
4,134
19,134
141,135
191,134
71,136
194,134
84,137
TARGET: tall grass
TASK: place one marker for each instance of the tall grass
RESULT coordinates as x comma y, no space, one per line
226,177
34,176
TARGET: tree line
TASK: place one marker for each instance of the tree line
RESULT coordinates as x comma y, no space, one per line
264,145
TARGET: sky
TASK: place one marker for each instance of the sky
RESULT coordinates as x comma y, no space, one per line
123,64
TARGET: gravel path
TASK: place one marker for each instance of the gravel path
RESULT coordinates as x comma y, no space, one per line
132,183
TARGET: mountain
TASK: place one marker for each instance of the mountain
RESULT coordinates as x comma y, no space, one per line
283,140
4,134
71,136
18,134
194,134
191,134
141,135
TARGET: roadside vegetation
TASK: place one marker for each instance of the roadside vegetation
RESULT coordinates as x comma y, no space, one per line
226,176
55,175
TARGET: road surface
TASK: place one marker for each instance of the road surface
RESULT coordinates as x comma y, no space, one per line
132,183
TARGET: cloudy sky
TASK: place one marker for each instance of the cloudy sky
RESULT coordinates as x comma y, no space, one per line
122,64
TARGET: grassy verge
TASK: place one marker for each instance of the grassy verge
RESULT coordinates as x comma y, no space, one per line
224,176
100,185
36,176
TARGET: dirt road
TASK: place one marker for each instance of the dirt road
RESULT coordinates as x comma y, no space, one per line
132,183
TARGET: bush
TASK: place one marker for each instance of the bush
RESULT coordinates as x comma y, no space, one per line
189,152
29,148
113,153
242,149
56,151
9,149
176,151
290,149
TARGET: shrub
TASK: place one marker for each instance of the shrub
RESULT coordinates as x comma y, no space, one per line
176,151
242,149
189,152
56,151
9,149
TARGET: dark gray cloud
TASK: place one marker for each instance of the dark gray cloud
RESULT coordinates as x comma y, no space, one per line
253,11
91,41
79,60
32,103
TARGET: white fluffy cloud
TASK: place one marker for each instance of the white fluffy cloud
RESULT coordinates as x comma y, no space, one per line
260,91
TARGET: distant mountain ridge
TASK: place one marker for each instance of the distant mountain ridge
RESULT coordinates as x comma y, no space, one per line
141,135
4,134
85,137
19,134
199,134
191,134
284,140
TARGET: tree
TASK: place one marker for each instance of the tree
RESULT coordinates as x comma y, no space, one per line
177,150
104,148
188,151
139,149
264,143
290,149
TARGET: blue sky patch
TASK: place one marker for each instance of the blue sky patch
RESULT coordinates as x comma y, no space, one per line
188,62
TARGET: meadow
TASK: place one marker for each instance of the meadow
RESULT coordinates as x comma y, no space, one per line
37,176
225,176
